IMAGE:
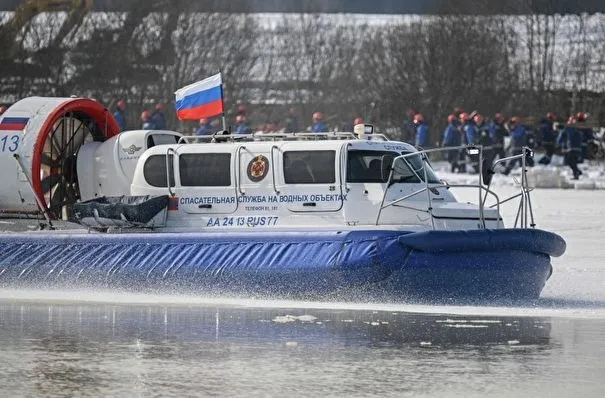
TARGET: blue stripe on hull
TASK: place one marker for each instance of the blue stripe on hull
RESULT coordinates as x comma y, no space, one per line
364,264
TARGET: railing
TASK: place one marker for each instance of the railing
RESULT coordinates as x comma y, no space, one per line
524,213
222,137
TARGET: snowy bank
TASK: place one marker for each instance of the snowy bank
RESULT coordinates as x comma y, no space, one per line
555,175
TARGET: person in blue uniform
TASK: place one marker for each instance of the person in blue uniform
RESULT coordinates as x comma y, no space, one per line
158,118
484,139
205,128
146,123
318,124
570,143
518,139
422,132
497,132
452,138
469,130
241,127
547,137
587,133
120,115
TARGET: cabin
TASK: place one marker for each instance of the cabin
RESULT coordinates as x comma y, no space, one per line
284,181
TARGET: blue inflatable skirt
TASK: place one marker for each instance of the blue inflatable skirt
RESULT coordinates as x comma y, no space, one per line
374,265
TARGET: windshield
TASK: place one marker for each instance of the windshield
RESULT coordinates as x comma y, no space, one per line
412,170
372,166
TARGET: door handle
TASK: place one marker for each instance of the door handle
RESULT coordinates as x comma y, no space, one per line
205,206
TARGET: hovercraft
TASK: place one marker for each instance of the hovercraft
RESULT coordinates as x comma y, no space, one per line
330,215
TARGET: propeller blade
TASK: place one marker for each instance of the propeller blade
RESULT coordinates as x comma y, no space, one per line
48,161
49,182
58,197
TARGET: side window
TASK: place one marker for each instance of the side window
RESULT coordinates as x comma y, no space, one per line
367,166
205,169
310,167
154,171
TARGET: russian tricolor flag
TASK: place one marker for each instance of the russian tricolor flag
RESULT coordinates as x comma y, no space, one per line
200,100
13,123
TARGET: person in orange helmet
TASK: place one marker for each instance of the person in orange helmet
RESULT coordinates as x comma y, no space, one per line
520,137
422,132
158,118
120,114
146,123
588,135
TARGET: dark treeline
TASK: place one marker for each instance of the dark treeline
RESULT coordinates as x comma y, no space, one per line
523,65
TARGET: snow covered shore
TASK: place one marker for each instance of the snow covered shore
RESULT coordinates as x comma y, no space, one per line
555,175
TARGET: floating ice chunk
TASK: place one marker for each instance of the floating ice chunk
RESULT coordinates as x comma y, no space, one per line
513,342
284,319
467,326
294,318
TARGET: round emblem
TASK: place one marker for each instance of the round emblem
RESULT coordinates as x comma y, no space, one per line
258,168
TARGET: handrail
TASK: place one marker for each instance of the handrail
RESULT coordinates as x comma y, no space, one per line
524,214
238,181
168,151
273,169
219,136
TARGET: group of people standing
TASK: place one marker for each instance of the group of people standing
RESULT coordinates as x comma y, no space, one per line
154,120
570,139
291,124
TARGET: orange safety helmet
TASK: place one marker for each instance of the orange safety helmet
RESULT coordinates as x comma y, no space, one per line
451,118
478,118
145,115
318,116
240,119
581,116
357,121
465,117
418,118
551,116
499,117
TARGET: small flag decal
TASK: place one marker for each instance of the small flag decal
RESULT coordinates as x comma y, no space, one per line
13,123
173,203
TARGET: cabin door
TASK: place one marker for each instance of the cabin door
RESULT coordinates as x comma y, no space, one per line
206,182
309,180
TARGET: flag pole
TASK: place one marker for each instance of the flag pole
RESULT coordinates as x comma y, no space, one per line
223,101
